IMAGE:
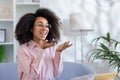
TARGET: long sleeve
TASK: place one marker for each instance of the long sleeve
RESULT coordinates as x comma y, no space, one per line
58,64
30,66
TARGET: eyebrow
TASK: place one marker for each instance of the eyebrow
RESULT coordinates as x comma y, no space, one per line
41,22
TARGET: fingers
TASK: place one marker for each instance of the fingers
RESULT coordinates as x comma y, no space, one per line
63,46
45,44
67,44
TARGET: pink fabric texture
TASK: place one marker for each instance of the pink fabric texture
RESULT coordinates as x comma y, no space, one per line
35,63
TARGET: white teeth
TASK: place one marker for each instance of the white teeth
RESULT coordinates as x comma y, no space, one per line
43,33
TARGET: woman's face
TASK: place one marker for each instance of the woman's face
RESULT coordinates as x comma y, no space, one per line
40,29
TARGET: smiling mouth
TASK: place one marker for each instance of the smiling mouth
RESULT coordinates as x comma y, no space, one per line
43,33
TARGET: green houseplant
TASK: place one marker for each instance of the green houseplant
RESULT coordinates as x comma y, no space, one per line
106,48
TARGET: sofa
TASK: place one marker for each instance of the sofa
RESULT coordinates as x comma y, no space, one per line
8,71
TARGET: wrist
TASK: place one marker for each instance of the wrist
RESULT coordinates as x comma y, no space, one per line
58,50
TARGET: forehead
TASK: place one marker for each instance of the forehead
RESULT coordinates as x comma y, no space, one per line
41,19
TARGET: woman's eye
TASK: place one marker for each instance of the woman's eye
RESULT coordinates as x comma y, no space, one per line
40,25
49,26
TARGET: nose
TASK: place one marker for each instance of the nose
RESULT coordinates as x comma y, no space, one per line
44,27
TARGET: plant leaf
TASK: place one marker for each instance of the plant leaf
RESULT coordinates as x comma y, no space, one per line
108,37
104,47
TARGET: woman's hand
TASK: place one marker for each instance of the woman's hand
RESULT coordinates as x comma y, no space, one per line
63,46
45,44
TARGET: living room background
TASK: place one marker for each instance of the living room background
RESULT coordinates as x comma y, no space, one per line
103,17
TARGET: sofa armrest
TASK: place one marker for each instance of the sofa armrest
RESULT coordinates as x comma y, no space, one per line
8,71
72,69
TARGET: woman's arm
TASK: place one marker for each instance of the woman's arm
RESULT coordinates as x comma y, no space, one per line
57,58
58,64
28,64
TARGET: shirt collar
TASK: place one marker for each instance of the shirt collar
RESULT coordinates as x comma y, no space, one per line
32,44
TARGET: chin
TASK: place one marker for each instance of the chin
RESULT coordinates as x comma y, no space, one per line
42,38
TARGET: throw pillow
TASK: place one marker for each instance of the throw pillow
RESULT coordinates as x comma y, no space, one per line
85,77
105,76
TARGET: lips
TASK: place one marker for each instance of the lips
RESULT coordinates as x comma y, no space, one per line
43,34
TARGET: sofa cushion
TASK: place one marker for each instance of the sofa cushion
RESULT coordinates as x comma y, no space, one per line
8,71
73,69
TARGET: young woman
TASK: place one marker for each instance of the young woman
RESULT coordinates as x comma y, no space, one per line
37,56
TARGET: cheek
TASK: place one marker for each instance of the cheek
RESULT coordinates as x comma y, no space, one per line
48,31
35,31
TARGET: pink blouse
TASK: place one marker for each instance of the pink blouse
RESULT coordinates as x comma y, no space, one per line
35,63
